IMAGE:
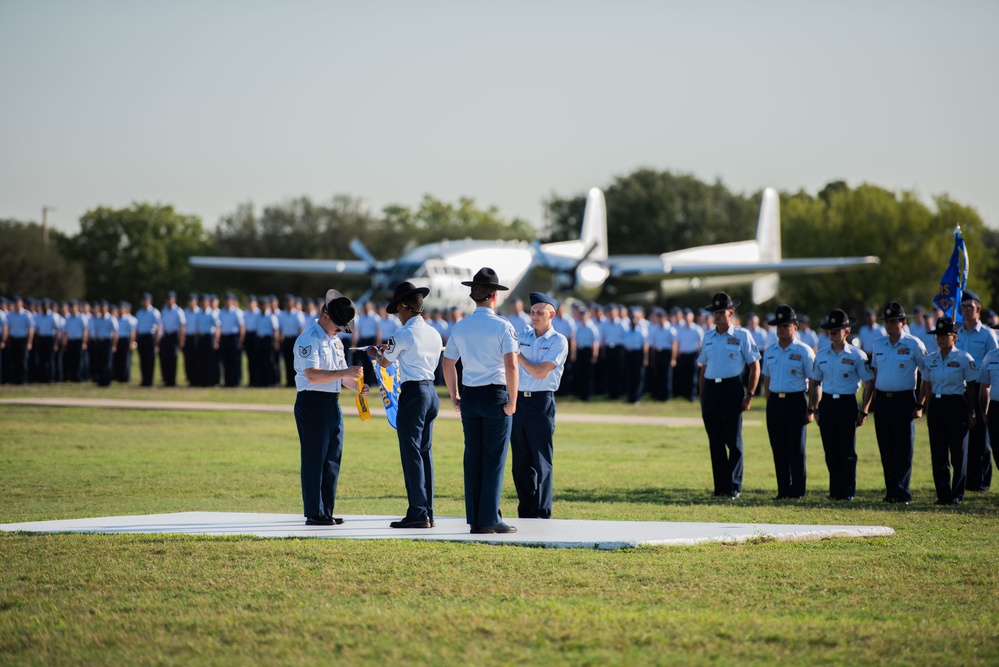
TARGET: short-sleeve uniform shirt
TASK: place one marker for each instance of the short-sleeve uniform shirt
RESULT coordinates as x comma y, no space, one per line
481,340
314,348
553,347
841,372
417,348
788,368
725,355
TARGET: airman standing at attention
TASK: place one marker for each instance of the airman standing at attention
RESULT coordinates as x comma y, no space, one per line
838,369
171,335
586,352
105,327
977,340
291,324
566,325
664,348
251,316
543,352
786,369
897,358
122,363
727,349
46,342
948,375
320,370
190,346
870,331
689,336
487,346
988,395
416,346
635,345
233,329
21,326
148,323
209,334
268,333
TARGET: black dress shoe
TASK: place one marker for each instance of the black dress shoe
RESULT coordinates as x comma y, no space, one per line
336,519
956,501
734,495
498,528
411,523
318,521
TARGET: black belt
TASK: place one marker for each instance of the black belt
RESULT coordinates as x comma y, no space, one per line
840,397
528,394
720,380
786,394
320,394
904,393
423,382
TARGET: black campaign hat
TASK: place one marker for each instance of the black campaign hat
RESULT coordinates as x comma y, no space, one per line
784,315
838,319
341,310
722,301
893,311
944,327
485,277
403,290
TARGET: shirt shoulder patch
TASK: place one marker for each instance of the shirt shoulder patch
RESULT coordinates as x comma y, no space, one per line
305,350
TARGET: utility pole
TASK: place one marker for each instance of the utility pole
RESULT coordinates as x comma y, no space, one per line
45,223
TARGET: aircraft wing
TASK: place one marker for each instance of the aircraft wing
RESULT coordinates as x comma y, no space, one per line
351,267
657,267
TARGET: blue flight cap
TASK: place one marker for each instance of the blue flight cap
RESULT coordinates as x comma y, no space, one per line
869,312
171,294
230,295
125,304
18,297
541,297
917,309
103,302
206,297
147,295
968,295
289,297
252,297
688,311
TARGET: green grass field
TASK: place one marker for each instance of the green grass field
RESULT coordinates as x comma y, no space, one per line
929,596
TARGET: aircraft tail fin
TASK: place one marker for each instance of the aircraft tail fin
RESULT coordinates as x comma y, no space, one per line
768,240
594,229
768,228
592,242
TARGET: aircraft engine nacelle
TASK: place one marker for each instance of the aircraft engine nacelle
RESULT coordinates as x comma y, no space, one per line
589,280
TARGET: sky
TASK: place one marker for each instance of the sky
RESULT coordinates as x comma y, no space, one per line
208,104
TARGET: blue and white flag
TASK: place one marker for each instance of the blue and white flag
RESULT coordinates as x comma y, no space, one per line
953,282
389,386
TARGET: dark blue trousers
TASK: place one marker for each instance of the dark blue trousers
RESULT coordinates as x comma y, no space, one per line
721,410
662,387
634,375
979,448
169,345
232,360
532,448
487,431
17,360
147,357
895,432
44,348
72,359
786,428
418,407
320,433
584,373
838,428
947,422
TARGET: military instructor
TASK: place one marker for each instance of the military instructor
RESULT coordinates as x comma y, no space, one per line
487,346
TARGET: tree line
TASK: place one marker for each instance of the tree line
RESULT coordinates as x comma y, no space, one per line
119,253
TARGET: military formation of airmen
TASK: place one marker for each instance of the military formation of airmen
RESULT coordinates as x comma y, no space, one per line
908,366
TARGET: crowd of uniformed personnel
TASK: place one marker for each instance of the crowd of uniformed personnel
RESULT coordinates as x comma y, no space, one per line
615,351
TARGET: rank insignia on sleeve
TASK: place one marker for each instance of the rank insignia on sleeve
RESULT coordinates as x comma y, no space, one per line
390,346
305,350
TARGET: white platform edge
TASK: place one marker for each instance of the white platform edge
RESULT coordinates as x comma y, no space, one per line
555,533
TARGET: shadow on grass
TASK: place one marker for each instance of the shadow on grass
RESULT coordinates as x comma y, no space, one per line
980,504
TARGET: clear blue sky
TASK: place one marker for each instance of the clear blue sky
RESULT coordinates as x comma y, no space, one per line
206,104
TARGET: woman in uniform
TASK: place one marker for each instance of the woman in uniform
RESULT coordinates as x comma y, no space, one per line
417,348
946,375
